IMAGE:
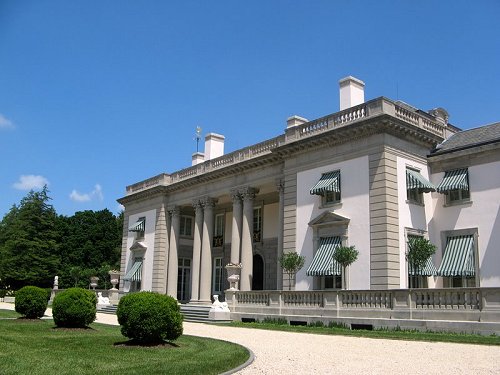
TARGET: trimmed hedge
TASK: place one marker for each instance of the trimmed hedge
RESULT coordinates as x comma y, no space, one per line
74,307
149,317
31,301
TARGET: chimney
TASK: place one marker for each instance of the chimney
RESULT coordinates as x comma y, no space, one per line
295,120
214,146
352,92
197,158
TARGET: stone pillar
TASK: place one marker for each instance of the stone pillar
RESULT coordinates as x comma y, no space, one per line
236,229
173,261
248,195
281,220
195,271
206,250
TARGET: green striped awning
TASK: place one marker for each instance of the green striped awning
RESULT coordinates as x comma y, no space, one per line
323,263
328,182
429,269
458,258
457,179
135,272
139,226
414,180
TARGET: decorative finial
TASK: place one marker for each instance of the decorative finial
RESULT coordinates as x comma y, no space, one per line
198,136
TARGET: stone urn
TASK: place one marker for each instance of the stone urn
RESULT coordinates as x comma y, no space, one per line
233,275
93,282
115,278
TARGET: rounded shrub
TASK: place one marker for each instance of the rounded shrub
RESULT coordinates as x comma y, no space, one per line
74,307
31,301
149,317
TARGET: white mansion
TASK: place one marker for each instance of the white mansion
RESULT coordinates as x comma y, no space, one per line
372,175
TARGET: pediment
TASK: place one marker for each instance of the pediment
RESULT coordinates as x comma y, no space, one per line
329,218
138,245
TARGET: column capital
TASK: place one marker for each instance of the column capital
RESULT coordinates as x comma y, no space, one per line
280,185
235,195
197,203
174,210
248,193
208,202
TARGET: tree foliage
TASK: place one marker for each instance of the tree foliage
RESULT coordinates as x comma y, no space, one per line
36,244
29,242
291,263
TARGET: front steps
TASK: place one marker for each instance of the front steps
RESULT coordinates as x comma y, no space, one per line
191,312
196,313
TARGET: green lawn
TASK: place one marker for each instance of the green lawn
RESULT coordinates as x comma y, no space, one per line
380,334
37,347
8,314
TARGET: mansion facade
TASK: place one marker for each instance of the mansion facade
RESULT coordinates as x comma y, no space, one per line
373,175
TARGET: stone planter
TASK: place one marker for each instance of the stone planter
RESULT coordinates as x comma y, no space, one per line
233,275
115,278
93,282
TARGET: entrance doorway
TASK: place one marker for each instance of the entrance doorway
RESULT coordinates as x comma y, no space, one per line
258,273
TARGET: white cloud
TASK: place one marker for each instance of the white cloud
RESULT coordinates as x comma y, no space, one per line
120,208
30,181
95,194
5,123
78,197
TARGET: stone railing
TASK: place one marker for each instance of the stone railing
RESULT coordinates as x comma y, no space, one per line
161,179
456,304
238,156
292,134
363,111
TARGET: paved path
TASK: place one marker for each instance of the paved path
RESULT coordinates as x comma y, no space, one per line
299,353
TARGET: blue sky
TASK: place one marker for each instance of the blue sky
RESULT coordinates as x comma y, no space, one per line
95,96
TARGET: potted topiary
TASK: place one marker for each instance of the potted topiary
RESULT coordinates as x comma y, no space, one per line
419,251
291,263
345,256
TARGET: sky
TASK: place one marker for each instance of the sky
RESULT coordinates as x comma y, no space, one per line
95,95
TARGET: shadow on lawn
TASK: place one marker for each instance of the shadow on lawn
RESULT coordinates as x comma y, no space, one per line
139,344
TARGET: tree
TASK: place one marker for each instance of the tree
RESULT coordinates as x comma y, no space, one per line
345,256
419,251
291,263
29,242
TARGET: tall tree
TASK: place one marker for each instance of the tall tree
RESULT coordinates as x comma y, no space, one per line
29,241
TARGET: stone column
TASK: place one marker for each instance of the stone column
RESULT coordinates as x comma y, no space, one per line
281,220
236,229
173,261
248,195
195,271
206,250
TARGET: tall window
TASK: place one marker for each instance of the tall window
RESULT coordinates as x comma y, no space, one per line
183,279
217,277
219,230
257,224
140,228
186,227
